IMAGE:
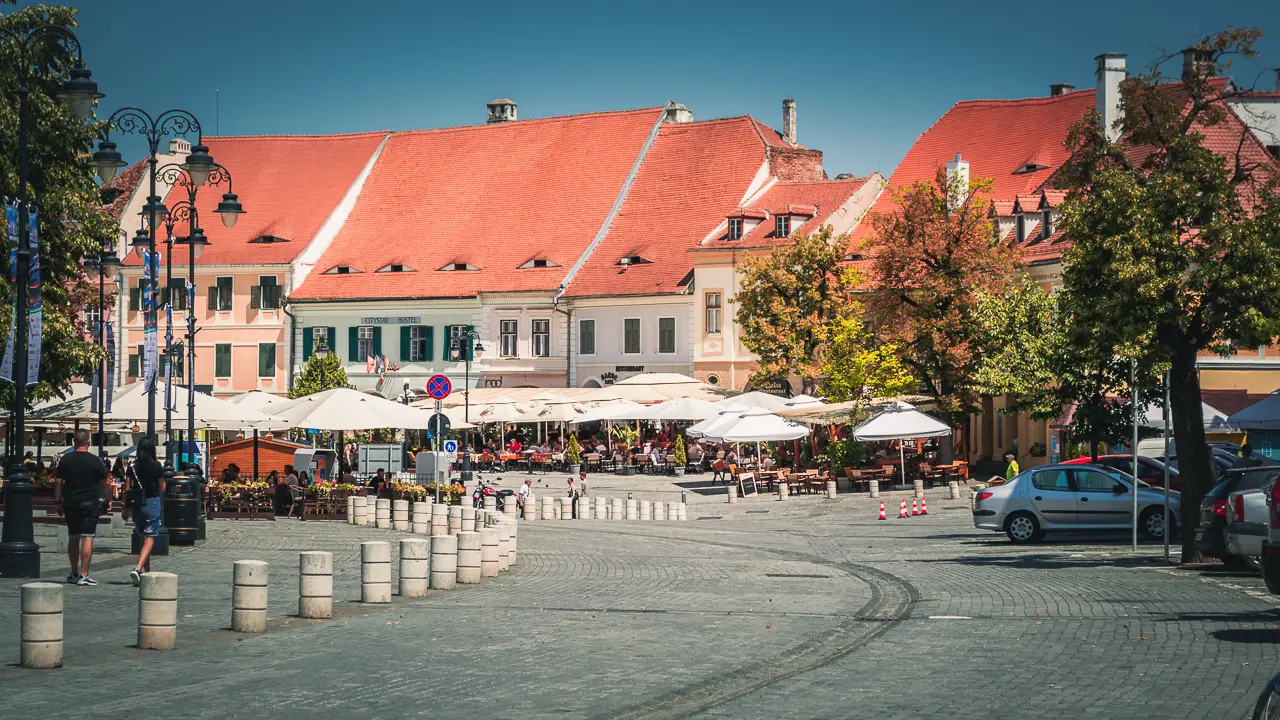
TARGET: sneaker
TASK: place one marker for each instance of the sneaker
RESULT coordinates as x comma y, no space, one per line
73,578
86,580
135,577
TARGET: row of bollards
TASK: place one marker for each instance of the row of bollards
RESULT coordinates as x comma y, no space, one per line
428,518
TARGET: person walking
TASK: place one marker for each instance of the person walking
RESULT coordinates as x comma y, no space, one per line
1012,470
573,497
146,519
80,484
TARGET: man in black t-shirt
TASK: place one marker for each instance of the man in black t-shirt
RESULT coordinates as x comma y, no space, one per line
81,483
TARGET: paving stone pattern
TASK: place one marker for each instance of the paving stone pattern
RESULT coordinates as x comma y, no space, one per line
799,609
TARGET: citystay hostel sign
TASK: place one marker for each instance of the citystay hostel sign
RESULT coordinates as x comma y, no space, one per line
391,320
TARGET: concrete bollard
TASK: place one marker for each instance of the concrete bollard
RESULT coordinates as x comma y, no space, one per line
444,562
782,491
632,511
315,584
249,596
557,509
873,487
831,490
455,519
673,511
415,566
646,510
953,486
504,547
548,508
158,611
382,510
513,551
351,509
439,519
360,505
489,552
490,502
683,509
530,508
421,518
400,515
468,519
732,492
601,511
41,625
469,551
918,487
510,507
375,572
584,509
615,509
659,510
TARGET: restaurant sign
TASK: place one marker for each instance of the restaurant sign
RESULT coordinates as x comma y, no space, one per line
391,320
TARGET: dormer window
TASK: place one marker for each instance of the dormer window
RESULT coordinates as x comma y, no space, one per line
735,228
782,226
632,260
1030,168
395,268
267,239
538,263
1022,227
341,270
458,267
1046,224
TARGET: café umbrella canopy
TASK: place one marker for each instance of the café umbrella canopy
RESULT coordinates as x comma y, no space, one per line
708,428
129,406
899,421
343,409
756,399
680,409
758,425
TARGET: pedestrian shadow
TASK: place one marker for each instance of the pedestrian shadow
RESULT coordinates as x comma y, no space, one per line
1248,636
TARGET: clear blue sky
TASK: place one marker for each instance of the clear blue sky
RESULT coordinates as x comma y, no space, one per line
868,78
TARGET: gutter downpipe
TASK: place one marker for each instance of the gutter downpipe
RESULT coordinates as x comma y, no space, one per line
568,338
293,332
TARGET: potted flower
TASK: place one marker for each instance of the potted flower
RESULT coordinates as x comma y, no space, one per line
682,459
627,436
573,455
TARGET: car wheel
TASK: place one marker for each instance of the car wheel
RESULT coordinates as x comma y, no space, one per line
1023,528
1151,523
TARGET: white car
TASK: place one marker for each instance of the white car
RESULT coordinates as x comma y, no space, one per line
1247,522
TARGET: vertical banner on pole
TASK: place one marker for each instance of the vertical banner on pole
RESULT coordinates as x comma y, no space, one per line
151,267
111,365
35,319
95,382
168,360
11,239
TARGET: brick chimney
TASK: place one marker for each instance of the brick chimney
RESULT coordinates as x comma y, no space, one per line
677,113
501,110
1059,89
1196,61
789,120
1110,73
957,179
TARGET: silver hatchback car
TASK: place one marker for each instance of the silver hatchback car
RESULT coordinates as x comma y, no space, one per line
1057,498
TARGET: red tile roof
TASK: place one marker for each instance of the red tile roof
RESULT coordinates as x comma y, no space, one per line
492,196
123,186
824,197
288,185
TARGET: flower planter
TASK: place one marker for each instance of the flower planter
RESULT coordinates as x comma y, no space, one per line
679,471
575,469
626,470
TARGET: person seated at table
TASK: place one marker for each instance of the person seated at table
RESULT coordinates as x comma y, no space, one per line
731,456
768,464
514,446
655,455
694,452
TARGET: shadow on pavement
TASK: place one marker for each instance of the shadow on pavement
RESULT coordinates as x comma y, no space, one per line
702,487
1041,562
1258,636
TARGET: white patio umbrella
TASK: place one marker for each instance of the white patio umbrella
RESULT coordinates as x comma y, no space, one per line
1214,419
343,409
899,421
129,406
685,408
728,412
616,410
758,425
756,399
803,400
256,399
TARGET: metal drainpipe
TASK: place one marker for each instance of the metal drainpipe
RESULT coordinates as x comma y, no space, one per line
293,331
568,340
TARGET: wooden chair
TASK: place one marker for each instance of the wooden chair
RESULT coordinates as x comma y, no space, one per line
591,461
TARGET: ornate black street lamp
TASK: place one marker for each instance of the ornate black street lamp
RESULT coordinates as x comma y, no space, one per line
37,52
105,263
463,344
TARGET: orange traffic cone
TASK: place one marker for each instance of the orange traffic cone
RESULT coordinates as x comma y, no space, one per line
924,507
915,510
902,509
882,517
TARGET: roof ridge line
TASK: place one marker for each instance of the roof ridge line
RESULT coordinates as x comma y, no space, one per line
301,136
531,121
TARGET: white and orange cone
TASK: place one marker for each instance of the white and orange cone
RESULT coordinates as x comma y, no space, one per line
882,517
902,509
924,507
915,509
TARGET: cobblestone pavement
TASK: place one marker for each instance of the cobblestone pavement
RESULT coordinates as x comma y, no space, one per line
762,609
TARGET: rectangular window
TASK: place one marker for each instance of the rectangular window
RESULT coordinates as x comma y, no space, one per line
666,335
418,344
782,226
1046,224
135,362
364,342
631,336
735,228
176,362
459,342
586,337
266,360
320,340
220,296
175,291
509,331
222,360
713,302
541,338
92,316
266,294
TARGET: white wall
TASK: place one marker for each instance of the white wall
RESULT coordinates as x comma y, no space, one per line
610,317
1263,116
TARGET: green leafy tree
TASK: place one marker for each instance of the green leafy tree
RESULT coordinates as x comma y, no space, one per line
1176,238
573,453
322,372
855,367
72,221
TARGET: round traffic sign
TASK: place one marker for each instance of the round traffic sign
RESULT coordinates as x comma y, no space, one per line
438,425
451,446
439,387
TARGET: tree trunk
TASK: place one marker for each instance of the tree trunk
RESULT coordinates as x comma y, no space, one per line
1195,464
1095,431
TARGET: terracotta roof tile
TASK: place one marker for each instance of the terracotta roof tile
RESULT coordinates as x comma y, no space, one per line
123,186
824,197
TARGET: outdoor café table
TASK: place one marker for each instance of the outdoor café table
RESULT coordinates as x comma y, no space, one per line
768,478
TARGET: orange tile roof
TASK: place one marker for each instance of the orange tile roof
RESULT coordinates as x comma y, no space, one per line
123,186
694,176
824,197
491,196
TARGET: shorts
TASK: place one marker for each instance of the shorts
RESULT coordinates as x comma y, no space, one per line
81,516
146,518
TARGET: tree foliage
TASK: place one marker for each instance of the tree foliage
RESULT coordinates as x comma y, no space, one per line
856,367
1177,238
322,372
72,221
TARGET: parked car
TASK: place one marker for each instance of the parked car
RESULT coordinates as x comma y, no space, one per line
1267,706
1270,560
1247,523
1150,470
1063,497
1222,462
1232,450
1211,535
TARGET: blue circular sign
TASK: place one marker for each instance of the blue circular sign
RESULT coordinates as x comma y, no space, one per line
439,387
451,446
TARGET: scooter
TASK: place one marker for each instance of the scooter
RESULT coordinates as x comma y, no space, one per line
485,489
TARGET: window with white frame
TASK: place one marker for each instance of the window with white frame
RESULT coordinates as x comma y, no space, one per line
509,334
586,337
735,228
541,338
320,339
714,309
364,341
631,336
418,343
782,226
92,316
666,335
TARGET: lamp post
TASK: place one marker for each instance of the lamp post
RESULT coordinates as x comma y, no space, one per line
463,343
37,52
104,262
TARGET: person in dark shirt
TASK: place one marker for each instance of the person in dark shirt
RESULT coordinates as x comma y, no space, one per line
80,484
146,520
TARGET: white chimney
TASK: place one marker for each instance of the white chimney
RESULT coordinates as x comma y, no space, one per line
1111,72
501,110
179,146
677,113
789,121
957,180
1060,89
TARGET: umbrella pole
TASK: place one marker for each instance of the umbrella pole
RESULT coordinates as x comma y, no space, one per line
902,463
255,455
342,455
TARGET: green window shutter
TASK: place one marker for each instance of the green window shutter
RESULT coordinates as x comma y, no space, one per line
306,344
266,360
222,360
445,341
213,297
332,339
377,341
353,342
471,345
255,297
426,355
133,365
404,343
135,299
